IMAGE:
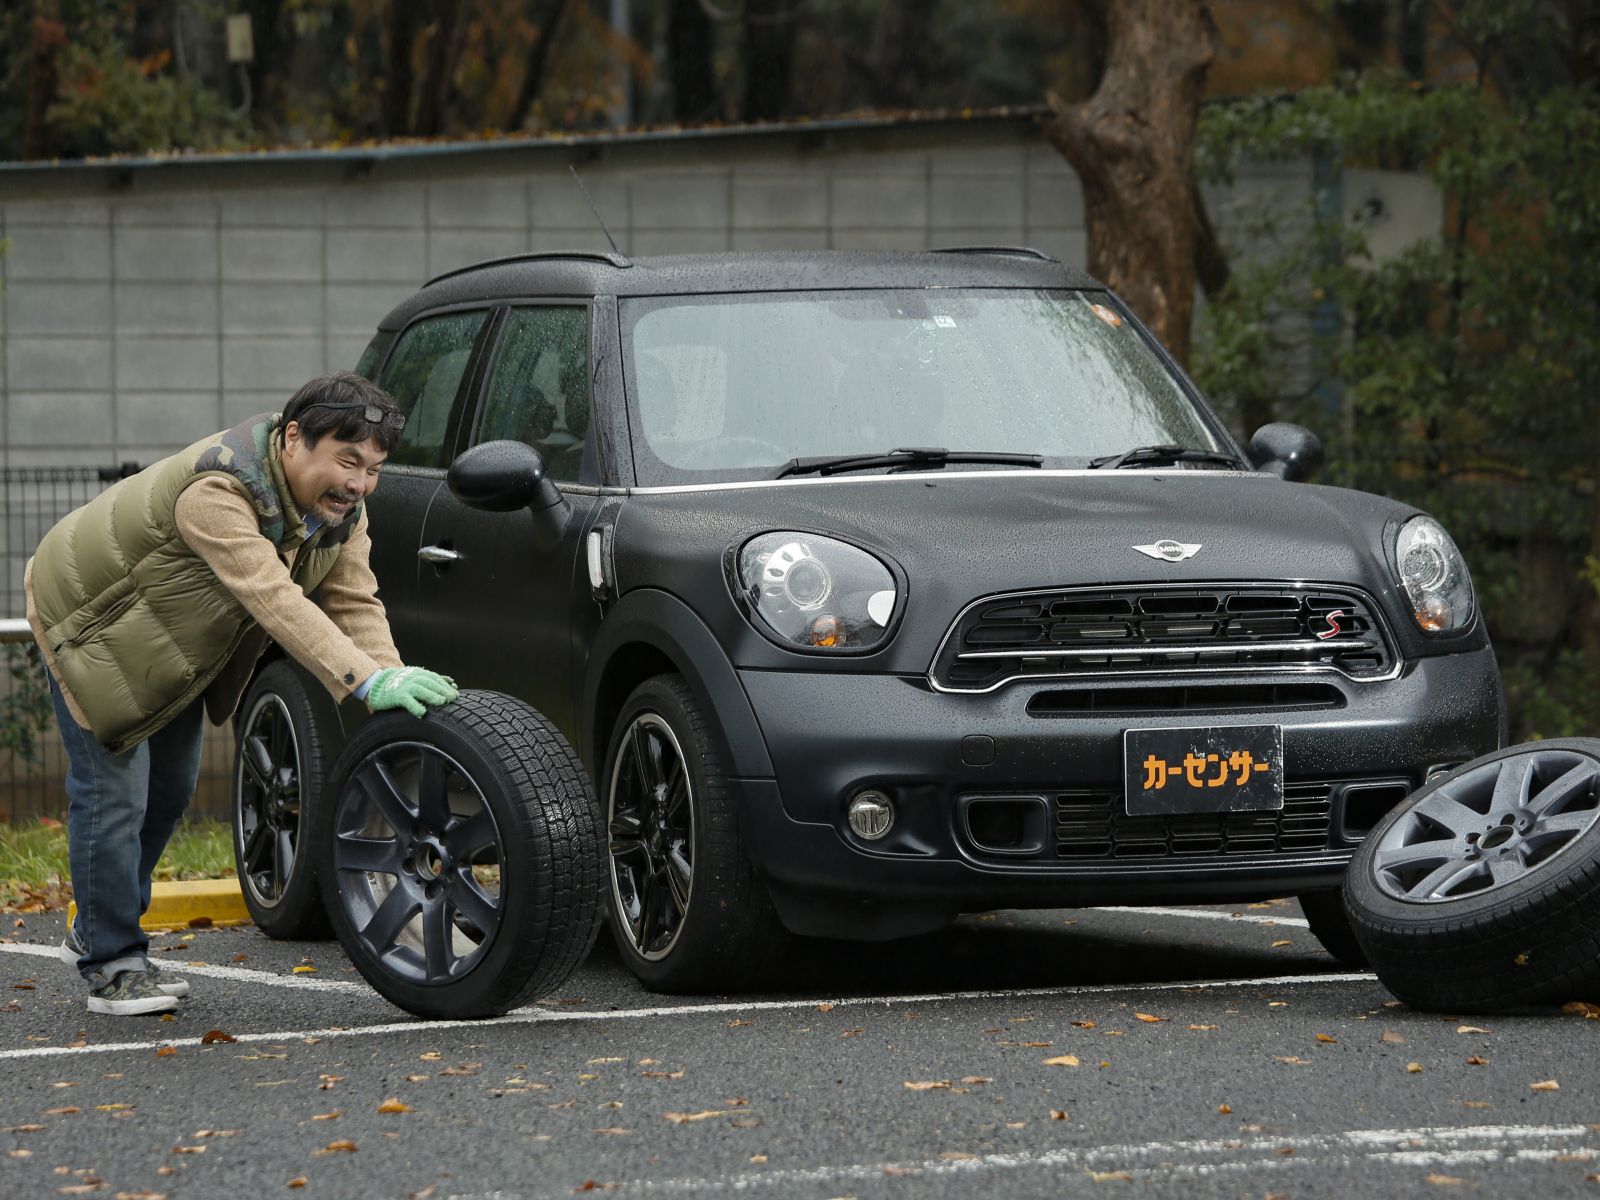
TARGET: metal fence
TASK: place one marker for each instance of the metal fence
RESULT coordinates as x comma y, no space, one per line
32,761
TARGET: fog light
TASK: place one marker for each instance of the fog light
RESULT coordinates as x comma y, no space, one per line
870,815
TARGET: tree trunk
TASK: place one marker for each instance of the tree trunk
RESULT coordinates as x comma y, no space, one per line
45,37
400,35
894,41
444,49
694,83
547,16
1132,145
769,36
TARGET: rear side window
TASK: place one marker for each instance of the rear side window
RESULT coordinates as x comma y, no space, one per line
424,375
538,392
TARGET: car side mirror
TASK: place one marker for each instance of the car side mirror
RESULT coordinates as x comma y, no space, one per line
505,476
1288,451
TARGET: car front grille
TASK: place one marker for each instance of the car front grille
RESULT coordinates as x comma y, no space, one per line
1093,825
1086,632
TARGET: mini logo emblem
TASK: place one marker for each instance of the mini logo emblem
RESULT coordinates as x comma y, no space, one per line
1170,550
1333,629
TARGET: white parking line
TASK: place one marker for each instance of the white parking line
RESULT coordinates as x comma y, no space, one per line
1435,1146
303,982
540,1016
1206,914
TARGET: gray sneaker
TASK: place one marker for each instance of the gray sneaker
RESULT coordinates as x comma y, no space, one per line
131,993
72,950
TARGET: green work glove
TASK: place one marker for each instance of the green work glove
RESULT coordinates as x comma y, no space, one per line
410,688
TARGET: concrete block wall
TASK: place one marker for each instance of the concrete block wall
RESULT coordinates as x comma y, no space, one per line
144,310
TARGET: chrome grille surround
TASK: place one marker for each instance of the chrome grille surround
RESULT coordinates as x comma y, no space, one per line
1162,629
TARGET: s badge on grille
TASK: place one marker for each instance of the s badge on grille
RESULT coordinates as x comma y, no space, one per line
1169,550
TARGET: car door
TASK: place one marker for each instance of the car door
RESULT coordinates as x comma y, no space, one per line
495,601
427,371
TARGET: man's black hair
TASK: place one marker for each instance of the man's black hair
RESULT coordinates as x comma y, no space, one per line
337,404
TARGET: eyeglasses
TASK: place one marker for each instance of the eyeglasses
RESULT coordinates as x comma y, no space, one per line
375,414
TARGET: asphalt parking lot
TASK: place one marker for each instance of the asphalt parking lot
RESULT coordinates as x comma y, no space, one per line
1195,1052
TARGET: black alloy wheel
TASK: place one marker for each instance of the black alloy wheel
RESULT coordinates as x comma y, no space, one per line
461,857
688,913
651,836
1477,894
278,773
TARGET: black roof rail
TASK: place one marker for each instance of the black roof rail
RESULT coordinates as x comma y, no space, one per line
1017,251
620,261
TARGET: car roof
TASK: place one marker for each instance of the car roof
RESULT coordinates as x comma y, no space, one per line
592,273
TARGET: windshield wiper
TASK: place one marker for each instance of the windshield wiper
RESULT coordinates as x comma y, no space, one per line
1152,456
913,456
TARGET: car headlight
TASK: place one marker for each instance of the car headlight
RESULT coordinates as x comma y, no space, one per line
1434,575
816,593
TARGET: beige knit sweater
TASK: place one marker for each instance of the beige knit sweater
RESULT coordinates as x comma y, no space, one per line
342,637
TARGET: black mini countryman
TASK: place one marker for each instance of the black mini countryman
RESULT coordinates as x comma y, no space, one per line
875,588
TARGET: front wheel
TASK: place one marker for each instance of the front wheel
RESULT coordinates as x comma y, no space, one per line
688,913
460,857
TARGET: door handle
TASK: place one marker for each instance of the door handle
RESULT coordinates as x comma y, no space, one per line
439,555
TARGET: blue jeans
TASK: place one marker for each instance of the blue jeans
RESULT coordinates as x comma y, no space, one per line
121,811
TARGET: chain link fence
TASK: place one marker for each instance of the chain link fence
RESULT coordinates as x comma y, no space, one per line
32,762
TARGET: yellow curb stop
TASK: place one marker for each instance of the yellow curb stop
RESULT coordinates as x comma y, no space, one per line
181,904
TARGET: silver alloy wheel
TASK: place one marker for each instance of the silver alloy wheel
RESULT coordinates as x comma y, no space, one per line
650,832
1488,827
417,853
266,788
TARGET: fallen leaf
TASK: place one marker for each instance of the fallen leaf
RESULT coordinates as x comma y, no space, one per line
1414,1068
344,1145
213,1036
19,1153
678,1118
758,1159
23,1128
109,1107
594,1061
430,1056
65,1083
1034,1045
1477,1061
1444,1180
1474,1104
1110,1177
1150,1019
1546,1085
1470,1029
1084,1024
303,970
1281,942
824,1007
78,1189
1224,1109
1582,1008
678,1074
1277,1004
1285,1151
1521,960
1060,1114
736,1022
614,1130
1292,1059
1201,1028
976,1079
62,1111
189,1149
1392,1038
166,1051
925,1085
417,1078
956,1156
246,958
746,1122
473,1068
1332,1041
1062,1060
395,1105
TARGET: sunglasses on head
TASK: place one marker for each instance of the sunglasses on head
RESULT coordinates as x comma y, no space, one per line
375,414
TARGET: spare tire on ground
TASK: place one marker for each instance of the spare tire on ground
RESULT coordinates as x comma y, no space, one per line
1479,893
460,856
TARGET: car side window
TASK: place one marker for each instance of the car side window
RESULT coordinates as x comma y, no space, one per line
423,374
538,391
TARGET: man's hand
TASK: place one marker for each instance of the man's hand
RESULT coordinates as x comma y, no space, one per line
410,688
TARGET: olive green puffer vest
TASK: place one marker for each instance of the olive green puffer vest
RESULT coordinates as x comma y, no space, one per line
136,621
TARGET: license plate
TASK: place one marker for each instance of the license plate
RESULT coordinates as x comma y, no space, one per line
1233,769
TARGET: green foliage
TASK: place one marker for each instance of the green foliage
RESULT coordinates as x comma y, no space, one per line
25,710
34,869
1468,364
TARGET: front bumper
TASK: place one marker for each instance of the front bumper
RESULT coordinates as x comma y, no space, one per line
832,734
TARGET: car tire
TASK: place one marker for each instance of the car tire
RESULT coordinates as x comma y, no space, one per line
687,911
1478,893
278,772
1330,925
460,857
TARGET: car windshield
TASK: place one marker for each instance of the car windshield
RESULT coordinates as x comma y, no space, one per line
728,387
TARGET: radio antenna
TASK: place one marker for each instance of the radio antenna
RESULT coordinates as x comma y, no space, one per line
595,208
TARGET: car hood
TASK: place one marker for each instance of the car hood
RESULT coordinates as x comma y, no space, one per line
960,536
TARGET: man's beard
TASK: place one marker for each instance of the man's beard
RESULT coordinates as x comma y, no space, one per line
326,502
